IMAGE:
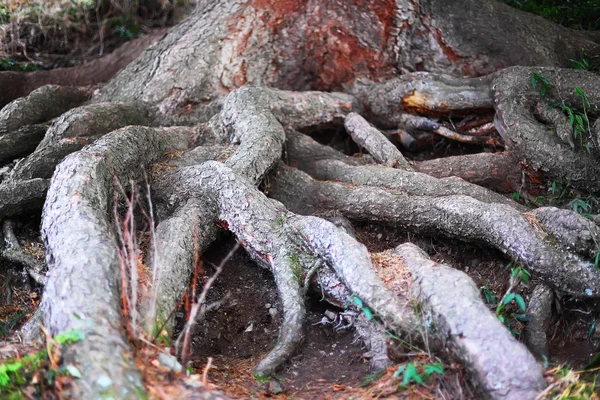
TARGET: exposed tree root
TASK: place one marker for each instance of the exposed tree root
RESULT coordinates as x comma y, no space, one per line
497,171
334,166
539,312
460,319
462,217
82,291
39,106
14,253
543,147
378,146
75,129
574,232
265,228
424,93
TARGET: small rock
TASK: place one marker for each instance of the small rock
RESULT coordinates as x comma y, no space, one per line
268,305
169,362
250,327
273,311
379,236
332,315
273,387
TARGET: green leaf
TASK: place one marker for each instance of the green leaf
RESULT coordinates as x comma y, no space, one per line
520,302
508,298
14,366
411,374
595,363
357,301
368,313
399,371
430,369
69,336
501,318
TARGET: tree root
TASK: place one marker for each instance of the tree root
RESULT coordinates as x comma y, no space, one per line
539,312
301,149
497,171
266,228
575,232
84,255
422,93
39,106
540,146
378,146
462,217
75,129
15,253
498,362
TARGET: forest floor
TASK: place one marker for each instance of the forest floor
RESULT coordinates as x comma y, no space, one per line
332,363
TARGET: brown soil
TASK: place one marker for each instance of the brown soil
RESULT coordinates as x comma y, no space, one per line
245,328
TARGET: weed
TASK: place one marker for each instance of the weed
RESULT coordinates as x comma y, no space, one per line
489,296
538,78
508,316
280,221
365,309
410,374
39,371
586,63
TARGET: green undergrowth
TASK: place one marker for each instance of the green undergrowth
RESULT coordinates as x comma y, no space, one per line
37,374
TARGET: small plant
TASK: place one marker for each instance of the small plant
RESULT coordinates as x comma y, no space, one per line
39,371
544,84
410,373
280,221
365,309
506,316
489,296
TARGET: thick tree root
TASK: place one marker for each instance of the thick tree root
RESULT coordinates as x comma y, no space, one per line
14,253
17,197
462,217
255,117
75,129
21,142
497,171
378,146
282,242
422,93
459,318
82,291
539,311
301,149
543,147
575,232
39,106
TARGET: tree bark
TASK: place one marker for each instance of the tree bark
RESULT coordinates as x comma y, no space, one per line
227,92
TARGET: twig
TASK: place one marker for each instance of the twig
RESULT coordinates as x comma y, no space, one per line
197,306
206,368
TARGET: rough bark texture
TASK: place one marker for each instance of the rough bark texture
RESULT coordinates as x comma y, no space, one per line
83,256
462,217
501,364
195,76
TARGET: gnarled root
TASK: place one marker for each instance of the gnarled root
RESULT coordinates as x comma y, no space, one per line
459,318
462,217
82,290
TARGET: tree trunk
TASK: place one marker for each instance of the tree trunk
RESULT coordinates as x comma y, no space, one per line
226,93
